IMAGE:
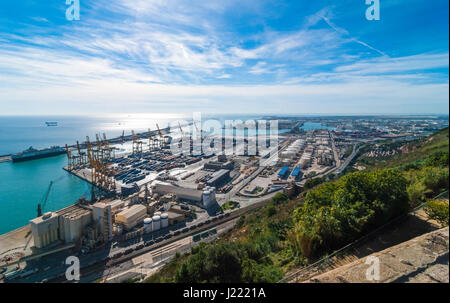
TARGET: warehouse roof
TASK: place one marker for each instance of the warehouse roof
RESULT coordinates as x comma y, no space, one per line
283,171
132,211
296,172
218,175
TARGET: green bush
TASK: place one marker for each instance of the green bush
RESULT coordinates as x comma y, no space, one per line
280,197
434,178
338,212
230,262
438,210
438,159
270,210
417,192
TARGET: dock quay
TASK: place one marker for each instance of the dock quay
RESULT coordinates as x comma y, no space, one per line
86,175
117,140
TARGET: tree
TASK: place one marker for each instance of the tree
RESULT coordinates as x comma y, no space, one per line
337,212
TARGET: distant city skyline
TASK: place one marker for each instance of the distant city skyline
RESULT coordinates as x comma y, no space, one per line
228,57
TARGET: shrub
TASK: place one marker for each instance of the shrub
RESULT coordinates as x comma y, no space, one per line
438,210
280,197
438,159
335,213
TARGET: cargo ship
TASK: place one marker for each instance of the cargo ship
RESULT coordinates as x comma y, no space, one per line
51,123
31,153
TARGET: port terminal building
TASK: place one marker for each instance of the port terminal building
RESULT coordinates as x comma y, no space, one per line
204,198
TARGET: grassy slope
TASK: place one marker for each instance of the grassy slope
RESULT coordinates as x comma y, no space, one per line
420,150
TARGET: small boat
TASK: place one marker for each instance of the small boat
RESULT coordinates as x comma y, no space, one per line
51,123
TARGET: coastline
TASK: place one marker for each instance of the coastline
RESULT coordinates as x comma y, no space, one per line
15,239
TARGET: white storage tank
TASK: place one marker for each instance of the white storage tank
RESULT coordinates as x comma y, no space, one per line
164,220
157,213
208,196
148,227
156,223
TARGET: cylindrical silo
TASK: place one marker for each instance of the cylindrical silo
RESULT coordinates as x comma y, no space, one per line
164,220
148,227
157,213
156,223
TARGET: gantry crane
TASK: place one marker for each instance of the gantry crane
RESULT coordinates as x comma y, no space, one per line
101,176
99,151
72,160
152,142
83,158
109,151
180,144
181,130
137,145
164,139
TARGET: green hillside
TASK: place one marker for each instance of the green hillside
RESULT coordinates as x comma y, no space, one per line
415,152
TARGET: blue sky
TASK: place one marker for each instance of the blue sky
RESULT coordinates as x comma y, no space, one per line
295,57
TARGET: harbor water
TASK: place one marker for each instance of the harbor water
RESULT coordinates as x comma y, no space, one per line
23,185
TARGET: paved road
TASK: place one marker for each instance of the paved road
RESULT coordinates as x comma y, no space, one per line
347,161
333,145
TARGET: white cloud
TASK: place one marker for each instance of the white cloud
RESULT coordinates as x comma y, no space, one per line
393,65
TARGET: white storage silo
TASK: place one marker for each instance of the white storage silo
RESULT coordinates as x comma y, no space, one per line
148,227
157,213
156,223
164,220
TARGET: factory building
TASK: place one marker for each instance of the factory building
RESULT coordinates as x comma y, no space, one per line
175,217
116,206
218,165
45,229
204,197
180,192
102,214
218,177
130,217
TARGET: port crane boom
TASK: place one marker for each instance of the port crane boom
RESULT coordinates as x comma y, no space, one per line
41,205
